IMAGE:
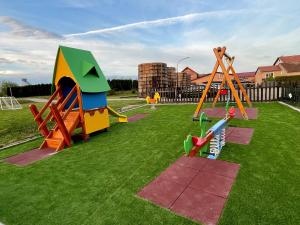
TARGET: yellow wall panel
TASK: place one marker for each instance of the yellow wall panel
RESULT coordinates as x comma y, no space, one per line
96,120
62,69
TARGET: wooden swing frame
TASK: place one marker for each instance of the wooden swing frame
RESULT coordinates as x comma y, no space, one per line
220,53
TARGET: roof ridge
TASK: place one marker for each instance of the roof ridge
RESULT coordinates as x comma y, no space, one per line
187,67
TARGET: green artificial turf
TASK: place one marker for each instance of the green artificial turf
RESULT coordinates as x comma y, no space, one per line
19,124
96,182
16,125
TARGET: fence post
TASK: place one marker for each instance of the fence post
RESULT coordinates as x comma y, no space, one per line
270,91
274,91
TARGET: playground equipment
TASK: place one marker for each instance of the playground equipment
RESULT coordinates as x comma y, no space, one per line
220,53
8,103
210,142
79,88
153,100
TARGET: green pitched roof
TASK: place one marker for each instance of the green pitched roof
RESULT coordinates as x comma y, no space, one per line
85,70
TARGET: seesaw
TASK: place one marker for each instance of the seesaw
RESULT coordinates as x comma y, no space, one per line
212,141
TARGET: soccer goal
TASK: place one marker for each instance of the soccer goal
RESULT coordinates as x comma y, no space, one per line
8,103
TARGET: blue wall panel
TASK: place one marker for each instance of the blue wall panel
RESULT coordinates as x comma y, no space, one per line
65,91
93,100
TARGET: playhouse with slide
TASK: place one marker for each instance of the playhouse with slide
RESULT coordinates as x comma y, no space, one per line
78,100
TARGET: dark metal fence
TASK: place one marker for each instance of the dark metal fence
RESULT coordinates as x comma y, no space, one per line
268,92
291,94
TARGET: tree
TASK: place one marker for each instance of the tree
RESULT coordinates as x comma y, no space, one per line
6,84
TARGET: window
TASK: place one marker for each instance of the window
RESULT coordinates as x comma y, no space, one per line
269,75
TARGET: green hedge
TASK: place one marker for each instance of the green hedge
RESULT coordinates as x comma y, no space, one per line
288,78
30,90
45,89
123,85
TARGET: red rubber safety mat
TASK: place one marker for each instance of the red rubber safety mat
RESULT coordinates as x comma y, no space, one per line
239,135
26,158
137,117
196,188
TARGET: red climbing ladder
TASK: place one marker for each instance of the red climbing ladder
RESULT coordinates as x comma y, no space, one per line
65,120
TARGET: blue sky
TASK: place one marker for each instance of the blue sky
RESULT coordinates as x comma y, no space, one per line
122,34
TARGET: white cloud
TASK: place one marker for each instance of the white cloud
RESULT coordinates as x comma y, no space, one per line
79,3
11,73
161,22
256,41
20,29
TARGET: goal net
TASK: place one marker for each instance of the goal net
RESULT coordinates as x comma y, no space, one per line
7,103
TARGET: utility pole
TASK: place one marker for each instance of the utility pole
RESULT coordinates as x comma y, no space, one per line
179,61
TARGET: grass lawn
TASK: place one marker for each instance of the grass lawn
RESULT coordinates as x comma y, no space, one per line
118,94
96,182
19,124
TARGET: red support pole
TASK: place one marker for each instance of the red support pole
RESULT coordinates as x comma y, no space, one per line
61,125
44,130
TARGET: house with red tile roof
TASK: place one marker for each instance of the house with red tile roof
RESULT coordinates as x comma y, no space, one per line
203,78
287,59
245,77
264,73
283,66
193,74
290,68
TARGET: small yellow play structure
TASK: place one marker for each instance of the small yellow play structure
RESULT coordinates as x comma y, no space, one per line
153,100
220,53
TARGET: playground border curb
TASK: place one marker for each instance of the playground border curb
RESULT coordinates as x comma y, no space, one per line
20,142
290,106
127,110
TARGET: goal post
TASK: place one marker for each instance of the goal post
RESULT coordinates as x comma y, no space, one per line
9,103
